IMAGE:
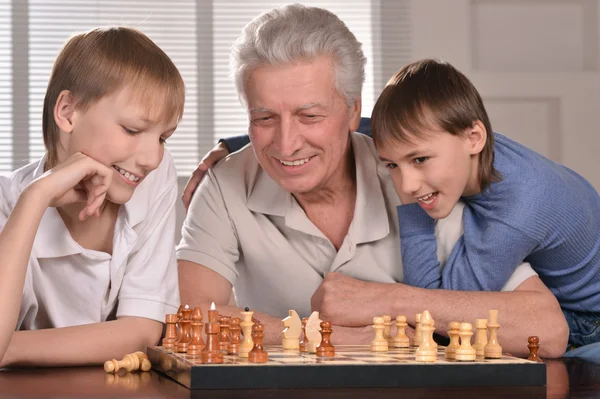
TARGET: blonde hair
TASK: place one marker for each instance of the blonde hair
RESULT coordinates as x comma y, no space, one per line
97,63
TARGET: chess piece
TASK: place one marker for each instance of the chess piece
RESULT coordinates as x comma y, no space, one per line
171,332
186,335
196,344
493,350
236,337
534,347
145,364
178,326
258,353
427,351
480,336
379,343
387,331
465,352
212,351
291,332
246,324
453,331
130,362
418,335
325,348
304,340
313,334
224,335
401,340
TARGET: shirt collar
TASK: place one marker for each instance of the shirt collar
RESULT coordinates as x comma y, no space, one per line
370,221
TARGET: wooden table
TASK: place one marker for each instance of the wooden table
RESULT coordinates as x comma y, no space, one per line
568,378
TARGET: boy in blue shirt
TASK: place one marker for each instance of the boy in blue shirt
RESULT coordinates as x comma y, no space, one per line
432,131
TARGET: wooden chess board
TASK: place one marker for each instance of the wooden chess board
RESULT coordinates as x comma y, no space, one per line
352,367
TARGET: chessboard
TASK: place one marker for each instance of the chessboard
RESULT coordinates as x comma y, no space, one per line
353,366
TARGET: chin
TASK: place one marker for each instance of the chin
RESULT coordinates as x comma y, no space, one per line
119,197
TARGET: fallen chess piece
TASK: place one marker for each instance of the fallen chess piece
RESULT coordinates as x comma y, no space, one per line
130,362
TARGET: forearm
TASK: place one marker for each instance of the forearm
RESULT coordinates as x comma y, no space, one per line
521,313
90,344
16,241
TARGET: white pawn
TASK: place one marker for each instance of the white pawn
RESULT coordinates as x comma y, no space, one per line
379,344
453,330
427,351
480,336
312,332
493,350
246,324
387,332
401,340
465,352
418,335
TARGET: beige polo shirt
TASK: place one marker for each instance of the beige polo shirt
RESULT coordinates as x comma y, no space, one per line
68,285
244,226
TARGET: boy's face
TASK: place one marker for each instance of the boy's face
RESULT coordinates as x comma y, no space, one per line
115,131
434,170
299,124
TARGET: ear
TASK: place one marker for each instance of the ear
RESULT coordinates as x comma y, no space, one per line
477,137
354,114
64,110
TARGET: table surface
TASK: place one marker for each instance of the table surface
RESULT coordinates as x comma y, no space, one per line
566,379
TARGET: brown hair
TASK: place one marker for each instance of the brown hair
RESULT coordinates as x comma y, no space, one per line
431,93
102,61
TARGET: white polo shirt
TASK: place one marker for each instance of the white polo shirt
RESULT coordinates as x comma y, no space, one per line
68,285
244,226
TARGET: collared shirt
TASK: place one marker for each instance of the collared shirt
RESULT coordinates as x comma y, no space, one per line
68,285
248,229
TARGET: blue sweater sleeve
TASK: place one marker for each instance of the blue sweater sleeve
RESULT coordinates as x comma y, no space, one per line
483,259
236,143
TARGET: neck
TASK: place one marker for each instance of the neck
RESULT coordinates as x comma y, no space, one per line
473,184
338,187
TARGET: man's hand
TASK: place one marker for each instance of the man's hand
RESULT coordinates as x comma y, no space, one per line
219,152
345,301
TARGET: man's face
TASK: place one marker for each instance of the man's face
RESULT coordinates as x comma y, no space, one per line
299,124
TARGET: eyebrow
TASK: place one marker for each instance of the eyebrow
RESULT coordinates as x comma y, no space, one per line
303,107
382,159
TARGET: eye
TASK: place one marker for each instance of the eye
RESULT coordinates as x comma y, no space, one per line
391,165
420,160
130,131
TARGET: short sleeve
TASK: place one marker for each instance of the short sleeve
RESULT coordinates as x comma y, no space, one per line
521,273
208,236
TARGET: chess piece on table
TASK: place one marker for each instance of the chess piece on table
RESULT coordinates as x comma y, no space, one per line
236,337
171,332
465,352
480,336
325,348
418,335
258,353
145,364
186,335
196,344
401,340
313,334
246,324
212,352
379,343
387,331
427,351
304,340
130,362
493,350
453,331
224,334
534,347
292,331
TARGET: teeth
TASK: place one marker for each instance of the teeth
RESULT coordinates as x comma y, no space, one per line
427,199
297,162
127,175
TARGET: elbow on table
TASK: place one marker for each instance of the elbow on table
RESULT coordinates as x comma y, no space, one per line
556,338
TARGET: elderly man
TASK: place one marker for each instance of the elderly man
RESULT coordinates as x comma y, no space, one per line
305,217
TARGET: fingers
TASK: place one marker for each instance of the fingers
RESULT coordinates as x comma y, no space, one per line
192,184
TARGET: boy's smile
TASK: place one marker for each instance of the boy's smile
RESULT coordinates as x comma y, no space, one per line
434,169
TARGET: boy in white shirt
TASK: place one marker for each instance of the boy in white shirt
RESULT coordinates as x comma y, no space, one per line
87,232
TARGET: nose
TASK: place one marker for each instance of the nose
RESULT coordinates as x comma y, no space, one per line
150,153
288,140
409,183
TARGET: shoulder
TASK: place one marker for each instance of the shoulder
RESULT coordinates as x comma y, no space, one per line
235,174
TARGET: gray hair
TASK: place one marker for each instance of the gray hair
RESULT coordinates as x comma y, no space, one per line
286,34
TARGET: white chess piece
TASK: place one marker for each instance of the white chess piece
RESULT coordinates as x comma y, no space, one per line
291,332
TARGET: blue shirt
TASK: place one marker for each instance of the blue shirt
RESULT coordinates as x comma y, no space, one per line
540,212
